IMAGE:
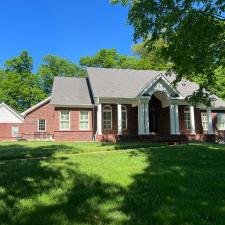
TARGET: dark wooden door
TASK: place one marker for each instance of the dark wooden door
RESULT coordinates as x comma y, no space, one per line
153,121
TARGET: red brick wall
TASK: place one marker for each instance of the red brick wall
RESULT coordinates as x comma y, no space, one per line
30,124
74,134
6,131
52,117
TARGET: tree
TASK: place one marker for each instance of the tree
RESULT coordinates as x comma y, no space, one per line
194,32
151,59
109,58
20,64
18,86
55,66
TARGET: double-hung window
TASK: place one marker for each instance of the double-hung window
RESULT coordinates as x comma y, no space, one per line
187,118
204,118
41,125
107,117
221,121
84,120
64,120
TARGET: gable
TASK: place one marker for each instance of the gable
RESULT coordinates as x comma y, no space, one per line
160,84
8,115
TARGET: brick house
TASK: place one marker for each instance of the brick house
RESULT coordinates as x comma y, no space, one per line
10,122
122,104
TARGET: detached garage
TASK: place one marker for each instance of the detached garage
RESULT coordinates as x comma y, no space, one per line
10,123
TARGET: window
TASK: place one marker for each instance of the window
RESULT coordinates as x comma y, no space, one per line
124,117
204,120
84,120
41,125
65,120
220,121
107,117
15,131
187,120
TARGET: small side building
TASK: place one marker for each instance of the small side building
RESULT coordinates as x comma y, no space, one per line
10,123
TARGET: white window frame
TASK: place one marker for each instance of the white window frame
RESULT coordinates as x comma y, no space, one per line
85,121
107,110
123,109
187,111
39,125
204,119
13,133
222,125
61,120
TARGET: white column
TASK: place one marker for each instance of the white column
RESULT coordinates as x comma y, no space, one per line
119,119
192,115
176,119
141,119
209,117
99,119
172,122
146,119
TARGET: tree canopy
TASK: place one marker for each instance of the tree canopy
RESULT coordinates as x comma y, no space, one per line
18,86
194,32
55,66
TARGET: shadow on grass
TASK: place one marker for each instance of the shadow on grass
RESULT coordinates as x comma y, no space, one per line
19,151
180,185
51,192
183,185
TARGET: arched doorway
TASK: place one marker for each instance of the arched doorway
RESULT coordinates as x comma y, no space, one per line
159,120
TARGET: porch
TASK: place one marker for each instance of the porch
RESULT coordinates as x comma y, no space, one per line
155,118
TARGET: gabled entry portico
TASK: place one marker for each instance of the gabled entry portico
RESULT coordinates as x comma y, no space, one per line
153,101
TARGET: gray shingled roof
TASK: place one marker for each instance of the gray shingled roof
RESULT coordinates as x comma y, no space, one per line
112,83
70,91
127,83
119,83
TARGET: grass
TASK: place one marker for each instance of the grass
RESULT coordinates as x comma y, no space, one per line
94,183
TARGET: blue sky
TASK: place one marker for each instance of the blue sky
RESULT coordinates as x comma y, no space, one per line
67,28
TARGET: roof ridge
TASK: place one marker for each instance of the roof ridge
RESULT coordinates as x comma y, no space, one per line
124,69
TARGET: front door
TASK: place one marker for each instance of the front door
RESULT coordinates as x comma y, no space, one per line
153,121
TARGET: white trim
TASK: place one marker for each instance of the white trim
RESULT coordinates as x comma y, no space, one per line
146,111
217,124
60,128
119,119
141,119
206,121
209,116
192,118
85,106
126,116
14,112
103,116
88,127
156,79
99,119
177,124
12,131
172,123
39,126
36,106
187,111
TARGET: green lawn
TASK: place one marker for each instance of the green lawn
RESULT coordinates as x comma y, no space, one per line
94,183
